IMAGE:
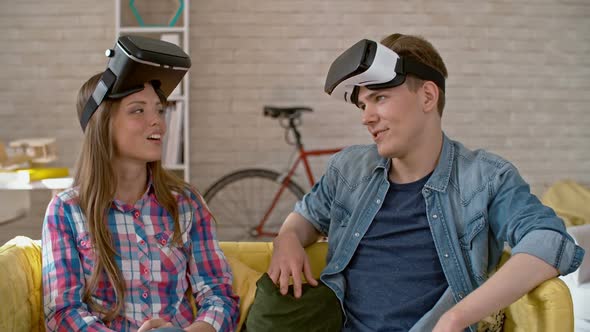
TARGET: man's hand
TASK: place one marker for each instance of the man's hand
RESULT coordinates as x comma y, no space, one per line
288,260
153,323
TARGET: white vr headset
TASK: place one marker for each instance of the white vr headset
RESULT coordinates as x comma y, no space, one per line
134,61
374,66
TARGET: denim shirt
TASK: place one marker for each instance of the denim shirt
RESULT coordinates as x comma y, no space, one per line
475,203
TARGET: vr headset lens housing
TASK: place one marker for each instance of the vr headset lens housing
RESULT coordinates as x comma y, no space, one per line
371,64
134,61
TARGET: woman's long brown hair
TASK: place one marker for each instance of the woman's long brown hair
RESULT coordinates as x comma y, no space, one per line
97,183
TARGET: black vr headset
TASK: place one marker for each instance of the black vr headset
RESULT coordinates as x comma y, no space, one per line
375,66
134,61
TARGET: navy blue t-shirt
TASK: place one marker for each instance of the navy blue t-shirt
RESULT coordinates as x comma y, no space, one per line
395,276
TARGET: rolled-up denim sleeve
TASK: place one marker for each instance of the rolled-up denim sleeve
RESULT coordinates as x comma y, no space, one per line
315,206
519,218
566,259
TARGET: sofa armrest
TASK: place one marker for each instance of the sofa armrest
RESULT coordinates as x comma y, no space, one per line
548,307
20,289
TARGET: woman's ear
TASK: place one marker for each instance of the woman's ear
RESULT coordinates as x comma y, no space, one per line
430,96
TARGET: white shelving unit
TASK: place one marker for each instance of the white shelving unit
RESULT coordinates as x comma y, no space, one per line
126,25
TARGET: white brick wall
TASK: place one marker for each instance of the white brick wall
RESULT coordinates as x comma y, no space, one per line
47,50
518,85
518,76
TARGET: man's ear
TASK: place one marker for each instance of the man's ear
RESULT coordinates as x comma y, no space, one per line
430,96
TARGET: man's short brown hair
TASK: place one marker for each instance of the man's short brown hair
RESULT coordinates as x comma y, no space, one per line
418,49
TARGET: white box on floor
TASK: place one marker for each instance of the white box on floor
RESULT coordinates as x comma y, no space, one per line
13,204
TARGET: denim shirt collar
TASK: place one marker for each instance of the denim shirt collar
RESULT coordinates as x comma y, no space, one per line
384,164
439,180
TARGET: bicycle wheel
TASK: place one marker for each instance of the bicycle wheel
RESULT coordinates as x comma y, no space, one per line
239,201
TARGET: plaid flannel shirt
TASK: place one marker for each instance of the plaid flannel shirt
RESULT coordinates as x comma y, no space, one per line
157,272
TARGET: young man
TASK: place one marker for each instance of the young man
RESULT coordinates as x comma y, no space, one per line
417,223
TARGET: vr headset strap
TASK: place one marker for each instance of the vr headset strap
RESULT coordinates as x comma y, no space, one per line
107,80
422,71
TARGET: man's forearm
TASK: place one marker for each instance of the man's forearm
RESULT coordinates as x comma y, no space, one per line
516,277
303,229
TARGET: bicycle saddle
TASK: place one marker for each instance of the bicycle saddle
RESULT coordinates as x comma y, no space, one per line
284,112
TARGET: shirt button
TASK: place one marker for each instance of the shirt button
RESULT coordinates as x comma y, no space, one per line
136,214
142,242
460,295
434,216
446,255
378,201
145,271
145,295
337,266
357,234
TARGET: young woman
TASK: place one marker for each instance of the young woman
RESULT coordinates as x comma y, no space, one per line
131,247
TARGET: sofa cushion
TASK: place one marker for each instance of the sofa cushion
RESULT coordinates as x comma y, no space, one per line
492,323
318,309
570,200
257,255
244,285
20,289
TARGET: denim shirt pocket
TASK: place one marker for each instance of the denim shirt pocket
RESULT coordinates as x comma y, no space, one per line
474,247
339,214
172,255
86,252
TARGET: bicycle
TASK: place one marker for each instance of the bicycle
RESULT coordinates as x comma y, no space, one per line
251,204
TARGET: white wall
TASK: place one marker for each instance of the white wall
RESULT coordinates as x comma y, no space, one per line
518,83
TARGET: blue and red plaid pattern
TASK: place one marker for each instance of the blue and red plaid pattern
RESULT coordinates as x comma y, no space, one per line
157,271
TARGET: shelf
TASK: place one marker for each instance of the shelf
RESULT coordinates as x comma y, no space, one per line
176,98
53,184
176,167
150,29
129,21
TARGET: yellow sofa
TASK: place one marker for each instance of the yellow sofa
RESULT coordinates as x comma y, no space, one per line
546,308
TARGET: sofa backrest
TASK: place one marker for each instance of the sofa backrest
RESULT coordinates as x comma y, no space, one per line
256,255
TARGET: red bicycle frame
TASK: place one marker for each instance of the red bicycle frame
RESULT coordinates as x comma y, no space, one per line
302,156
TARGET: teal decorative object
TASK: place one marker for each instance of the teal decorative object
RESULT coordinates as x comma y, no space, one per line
142,23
